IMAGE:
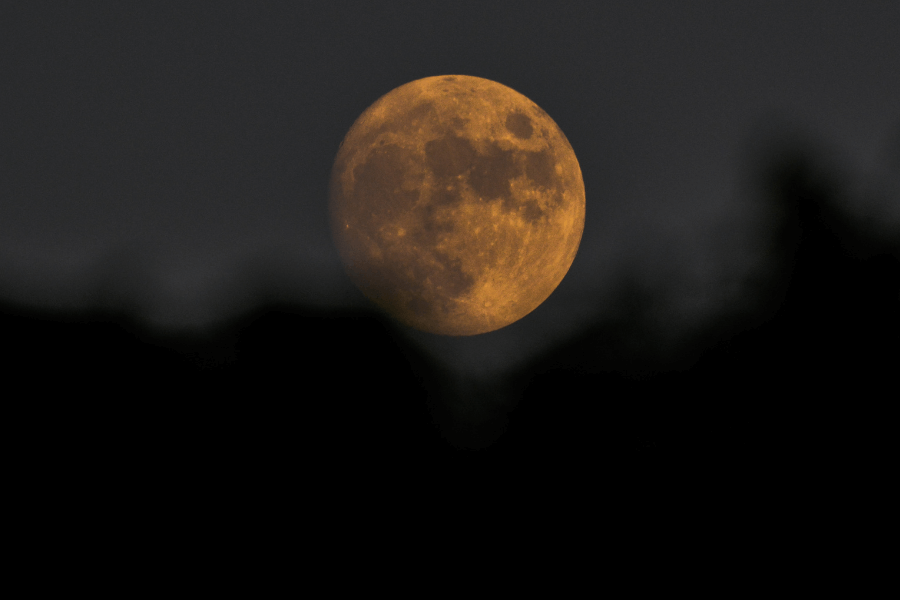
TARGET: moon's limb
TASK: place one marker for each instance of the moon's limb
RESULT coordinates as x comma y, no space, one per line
457,204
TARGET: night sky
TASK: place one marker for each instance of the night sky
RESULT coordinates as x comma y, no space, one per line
168,283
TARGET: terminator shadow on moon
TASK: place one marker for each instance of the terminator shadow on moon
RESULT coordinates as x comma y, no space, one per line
457,205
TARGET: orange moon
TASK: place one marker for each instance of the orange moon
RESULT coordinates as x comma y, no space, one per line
457,204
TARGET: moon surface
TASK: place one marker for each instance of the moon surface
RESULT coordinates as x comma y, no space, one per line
457,204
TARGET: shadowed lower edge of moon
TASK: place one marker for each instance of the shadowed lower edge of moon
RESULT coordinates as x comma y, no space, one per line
426,276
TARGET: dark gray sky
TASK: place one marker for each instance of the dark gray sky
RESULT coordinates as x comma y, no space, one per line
173,158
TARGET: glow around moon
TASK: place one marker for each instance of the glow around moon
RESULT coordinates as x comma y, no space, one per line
457,204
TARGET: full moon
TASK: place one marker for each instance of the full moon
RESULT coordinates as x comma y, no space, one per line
457,204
